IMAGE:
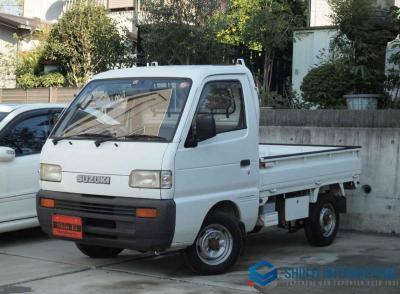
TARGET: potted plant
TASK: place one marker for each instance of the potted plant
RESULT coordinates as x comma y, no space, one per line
366,88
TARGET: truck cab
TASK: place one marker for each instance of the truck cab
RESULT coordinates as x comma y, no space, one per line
168,158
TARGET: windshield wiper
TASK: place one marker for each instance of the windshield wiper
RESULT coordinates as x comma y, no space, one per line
132,136
89,135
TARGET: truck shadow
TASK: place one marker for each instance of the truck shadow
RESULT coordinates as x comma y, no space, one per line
270,246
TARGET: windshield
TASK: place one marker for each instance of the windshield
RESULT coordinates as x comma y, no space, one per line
3,115
134,109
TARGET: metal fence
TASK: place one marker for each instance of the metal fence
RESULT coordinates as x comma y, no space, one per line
38,95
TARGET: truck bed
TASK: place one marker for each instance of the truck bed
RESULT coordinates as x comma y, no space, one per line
290,168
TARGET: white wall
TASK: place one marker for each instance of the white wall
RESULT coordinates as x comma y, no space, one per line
320,11
6,40
8,47
307,47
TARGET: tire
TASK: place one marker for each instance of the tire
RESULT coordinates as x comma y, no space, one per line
94,251
322,224
202,259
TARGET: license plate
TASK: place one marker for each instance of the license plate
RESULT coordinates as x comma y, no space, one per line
67,226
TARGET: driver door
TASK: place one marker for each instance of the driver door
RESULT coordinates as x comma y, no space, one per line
222,168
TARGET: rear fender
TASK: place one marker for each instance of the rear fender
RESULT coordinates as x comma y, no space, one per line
336,191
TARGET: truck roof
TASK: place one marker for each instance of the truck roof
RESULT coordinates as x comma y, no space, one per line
182,71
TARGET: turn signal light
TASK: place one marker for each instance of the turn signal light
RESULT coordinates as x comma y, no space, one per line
146,212
48,203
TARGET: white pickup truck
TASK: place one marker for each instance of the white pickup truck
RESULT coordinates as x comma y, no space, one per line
168,158
24,129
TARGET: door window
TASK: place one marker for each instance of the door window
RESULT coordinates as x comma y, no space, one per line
54,116
224,101
28,136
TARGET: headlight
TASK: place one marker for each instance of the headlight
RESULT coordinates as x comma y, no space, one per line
50,172
151,179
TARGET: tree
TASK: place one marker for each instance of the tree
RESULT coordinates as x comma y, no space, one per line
181,32
264,25
86,41
363,34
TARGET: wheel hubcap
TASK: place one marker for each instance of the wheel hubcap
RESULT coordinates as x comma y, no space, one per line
214,244
327,220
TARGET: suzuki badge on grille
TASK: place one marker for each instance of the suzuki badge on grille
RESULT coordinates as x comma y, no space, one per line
89,179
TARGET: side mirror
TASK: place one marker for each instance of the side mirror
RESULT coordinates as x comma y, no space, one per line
6,154
205,127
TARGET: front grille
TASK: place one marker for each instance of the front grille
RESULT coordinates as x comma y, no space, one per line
100,223
103,209
100,236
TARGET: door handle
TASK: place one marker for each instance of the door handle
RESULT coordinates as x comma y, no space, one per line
245,163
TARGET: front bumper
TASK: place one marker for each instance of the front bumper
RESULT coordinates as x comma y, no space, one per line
111,221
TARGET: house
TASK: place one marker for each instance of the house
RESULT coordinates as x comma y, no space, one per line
122,11
16,34
312,43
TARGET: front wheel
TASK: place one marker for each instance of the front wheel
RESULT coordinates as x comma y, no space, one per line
95,251
322,225
217,246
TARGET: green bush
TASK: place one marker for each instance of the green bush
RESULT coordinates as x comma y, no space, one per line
326,84
52,80
28,63
28,81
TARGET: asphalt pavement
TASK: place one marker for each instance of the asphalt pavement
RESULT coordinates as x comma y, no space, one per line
30,262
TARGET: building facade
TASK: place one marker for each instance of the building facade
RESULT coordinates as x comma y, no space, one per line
122,11
17,32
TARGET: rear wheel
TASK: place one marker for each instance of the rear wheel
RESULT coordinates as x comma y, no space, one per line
322,225
95,251
217,246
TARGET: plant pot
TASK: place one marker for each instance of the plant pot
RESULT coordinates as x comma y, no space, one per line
362,101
